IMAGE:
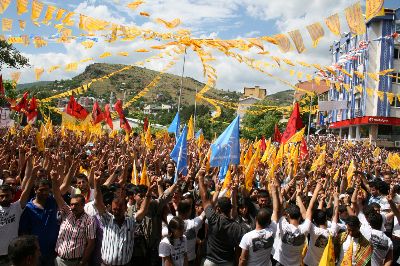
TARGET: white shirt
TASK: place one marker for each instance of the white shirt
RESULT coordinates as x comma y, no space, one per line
346,246
9,224
290,242
192,227
259,244
176,251
381,244
118,242
318,241
364,222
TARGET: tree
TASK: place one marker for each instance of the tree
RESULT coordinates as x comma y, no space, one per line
11,57
10,92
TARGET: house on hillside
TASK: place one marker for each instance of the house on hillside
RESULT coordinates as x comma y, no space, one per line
154,108
250,97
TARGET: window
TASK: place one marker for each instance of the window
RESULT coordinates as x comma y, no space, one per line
396,54
396,77
398,27
396,102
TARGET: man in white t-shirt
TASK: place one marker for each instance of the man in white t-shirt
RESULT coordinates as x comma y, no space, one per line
320,232
10,212
382,247
256,245
291,236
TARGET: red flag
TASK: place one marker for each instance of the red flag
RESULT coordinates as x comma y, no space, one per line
145,124
23,103
97,114
293,124
2,91
263,146
31,112
108,116
75,109
123,123
303,149
277,134
118,108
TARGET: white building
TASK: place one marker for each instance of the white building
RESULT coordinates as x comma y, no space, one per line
369,113
152,108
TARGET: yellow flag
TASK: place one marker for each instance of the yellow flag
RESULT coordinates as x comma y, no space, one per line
279,155
348,256
59,14
355,19
242,156
190,132
87,44
39,142
374,8
336,176
316,32
171,24
36,9
67,19
123,53
142,51
71,66
283,42
27,129
135,4
336,154
148,141
200,140
248,156
52,68
22,24
6,24
22,6
350,172
144,179
297,40
49,14
134,179
297,137
333,24
105,54
328,256
4,5
250,168
318,162
390,97
380,94
38,73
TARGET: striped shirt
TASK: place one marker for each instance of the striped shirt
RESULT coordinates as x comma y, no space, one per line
74,234
117,245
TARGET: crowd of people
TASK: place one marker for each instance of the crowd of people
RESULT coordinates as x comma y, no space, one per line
77,202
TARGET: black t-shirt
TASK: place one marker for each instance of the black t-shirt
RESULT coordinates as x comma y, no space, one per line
224,235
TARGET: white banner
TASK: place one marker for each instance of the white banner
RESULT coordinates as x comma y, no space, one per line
331,105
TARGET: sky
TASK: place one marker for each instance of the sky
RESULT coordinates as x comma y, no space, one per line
222,19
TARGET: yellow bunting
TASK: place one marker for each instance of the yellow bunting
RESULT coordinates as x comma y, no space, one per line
256,42
370,91
337,86
87,44
135,4
52,68
60,13
86,60
38,73
380,94
346,87
358,88
386,71
169,24
374,8
287,61
359,74
283,42
6,24
105,54
316,32
72,66
297,40
39,42
390,97
15,39
49,14
15,76
4,5
299,75
36,9
373,76
333,24
317,80
141,50
91,24
22,24
65,36
309,77
22,6
355,19
144,14
67,19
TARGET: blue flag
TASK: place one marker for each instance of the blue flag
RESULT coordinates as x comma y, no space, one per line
179,154
198,133
224,168
174,127
227,146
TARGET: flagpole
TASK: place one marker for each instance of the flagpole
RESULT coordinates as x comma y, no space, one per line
195,109
309,111
180,89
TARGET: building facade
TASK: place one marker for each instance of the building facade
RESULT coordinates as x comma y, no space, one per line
255,91
373,110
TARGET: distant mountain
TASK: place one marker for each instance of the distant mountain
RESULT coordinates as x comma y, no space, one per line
281,98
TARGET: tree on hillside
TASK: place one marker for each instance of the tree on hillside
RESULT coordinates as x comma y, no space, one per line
11,57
